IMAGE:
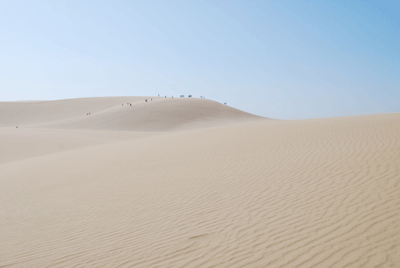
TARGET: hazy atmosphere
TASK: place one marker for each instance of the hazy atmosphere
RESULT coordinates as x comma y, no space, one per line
277,59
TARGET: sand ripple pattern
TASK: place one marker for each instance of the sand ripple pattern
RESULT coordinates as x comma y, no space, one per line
312,193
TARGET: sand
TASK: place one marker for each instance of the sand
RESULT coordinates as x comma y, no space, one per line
160,186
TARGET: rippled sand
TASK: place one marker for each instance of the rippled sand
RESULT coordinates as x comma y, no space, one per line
156,185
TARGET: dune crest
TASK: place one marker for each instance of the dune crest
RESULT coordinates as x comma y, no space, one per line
243,193
121,113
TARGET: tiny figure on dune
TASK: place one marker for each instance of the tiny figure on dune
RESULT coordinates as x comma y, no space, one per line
122,104
145,100
16,127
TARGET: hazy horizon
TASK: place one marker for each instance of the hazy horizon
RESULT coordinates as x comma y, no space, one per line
284,60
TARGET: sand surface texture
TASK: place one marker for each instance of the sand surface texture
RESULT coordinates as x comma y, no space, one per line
156,186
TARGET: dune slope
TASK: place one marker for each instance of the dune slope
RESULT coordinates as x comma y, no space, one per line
38,112
114,113
311,193
24,143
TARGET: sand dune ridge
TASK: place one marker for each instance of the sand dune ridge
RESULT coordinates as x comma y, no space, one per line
243,193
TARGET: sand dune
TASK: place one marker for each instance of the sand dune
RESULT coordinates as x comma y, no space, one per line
257,193
114,113
24,143
39,112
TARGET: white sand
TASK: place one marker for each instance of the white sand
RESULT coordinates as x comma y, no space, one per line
156,185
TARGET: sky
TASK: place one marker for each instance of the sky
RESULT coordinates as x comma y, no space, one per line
278,59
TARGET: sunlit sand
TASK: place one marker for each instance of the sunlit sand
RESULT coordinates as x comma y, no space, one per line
194,183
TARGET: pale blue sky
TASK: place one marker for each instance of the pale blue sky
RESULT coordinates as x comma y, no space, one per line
279,59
